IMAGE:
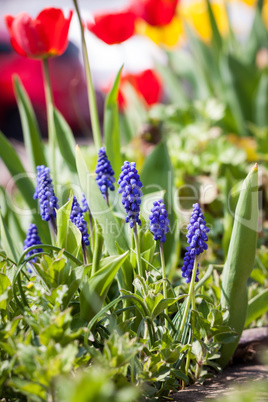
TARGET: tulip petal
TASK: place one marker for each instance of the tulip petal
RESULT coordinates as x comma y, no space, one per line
114,27
53,28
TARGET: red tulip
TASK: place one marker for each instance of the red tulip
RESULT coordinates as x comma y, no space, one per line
155,12
146,84
46,35
113,27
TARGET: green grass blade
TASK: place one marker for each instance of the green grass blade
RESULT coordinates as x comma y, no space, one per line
23,183
257,307
7,242
216,36
31,133
240,260
111,127
261,105
65,139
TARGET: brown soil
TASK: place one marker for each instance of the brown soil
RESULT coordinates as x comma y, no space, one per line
248,370
225,383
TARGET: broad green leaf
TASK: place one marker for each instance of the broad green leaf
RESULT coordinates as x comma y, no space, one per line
23,183
98,246
157,175
65,139
257,307
31,133
261,105
7,242
68,235
111,229
94,289
230,96
240,260
164,304
4,284
111,127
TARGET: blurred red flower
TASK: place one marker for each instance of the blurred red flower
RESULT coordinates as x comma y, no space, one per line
46,35
113,27
146,84
155,12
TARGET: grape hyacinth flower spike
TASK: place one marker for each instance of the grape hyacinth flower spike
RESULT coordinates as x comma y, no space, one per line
85,208
159,226
78,220
44,192
32,239
105,174
159,223
196,238
130,188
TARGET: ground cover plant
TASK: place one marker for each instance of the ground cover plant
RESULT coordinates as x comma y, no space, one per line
116,282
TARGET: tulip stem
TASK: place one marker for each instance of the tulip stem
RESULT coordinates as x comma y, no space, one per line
93,110
189,300
50,122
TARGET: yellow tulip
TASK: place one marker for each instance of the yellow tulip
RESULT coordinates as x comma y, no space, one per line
195,14
168,35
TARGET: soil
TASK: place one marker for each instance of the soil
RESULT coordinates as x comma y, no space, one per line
247,368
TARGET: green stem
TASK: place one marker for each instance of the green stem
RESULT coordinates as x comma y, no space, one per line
50,123
190,350
93,110
189,300
138,251
162,257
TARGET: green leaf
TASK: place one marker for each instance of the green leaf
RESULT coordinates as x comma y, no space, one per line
7,243
180,375
216,36
31,133
95,289
4,284
157,175
68,235
230,96
257,307
240,260
111,127
65,139
110,227
36,392
261,105
23,183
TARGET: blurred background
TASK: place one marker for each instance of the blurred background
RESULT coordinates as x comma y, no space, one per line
147,50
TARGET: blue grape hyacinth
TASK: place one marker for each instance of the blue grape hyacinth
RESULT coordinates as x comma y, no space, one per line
130,188
196,238
105,174
78,219
85,207
159,223
44,192
32,239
